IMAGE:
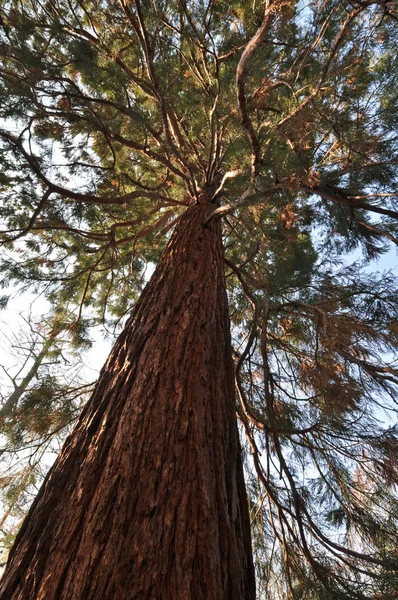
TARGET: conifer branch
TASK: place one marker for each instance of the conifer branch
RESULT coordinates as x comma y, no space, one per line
251,47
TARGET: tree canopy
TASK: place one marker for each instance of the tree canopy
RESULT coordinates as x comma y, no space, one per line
114,117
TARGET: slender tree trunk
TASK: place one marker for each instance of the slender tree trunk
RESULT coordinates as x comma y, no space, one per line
147,498
20,389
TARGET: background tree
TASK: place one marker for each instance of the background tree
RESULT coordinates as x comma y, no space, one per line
43,392
116,118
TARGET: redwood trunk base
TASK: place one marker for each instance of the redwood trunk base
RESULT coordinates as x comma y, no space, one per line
147,498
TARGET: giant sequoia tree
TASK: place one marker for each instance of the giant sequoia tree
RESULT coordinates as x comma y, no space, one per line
247,149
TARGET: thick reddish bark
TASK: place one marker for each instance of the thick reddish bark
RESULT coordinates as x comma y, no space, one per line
147,498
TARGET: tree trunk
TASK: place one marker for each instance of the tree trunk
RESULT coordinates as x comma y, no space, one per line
12,401
147,498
